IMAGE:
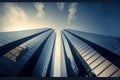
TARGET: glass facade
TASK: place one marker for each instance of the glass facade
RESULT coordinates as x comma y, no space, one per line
82,54
98,54
26,58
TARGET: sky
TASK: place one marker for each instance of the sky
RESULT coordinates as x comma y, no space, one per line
94,17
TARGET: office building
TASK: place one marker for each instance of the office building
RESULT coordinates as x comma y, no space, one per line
32,53
27,53
89,55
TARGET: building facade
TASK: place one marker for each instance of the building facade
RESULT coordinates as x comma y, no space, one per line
32,53
27,53
94,55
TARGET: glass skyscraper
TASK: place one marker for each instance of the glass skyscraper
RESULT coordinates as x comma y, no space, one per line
82,54
27,53
94,55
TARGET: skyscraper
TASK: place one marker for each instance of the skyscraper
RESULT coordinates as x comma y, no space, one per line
94,55
27,53
33,53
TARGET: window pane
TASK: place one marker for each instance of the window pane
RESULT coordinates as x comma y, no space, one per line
89,55
110,70
93,58
117,74
98,61
101,67
86,52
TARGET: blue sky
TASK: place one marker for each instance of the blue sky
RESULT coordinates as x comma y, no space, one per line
101,18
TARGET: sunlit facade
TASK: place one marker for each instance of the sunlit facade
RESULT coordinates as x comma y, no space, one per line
94,55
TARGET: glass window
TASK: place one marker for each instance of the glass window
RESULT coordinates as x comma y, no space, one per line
101,67
82,48
8,55
117,74
87,49
13,58
13,54
87,52
76,46
110,70
97,62
93,58
89,55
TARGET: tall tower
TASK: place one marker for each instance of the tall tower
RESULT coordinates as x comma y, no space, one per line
82,54
94,55
27,53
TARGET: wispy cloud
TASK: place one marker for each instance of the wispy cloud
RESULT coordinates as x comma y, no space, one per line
14,17
60,5
40,11
72,10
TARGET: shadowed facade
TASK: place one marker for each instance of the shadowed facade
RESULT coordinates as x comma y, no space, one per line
27,53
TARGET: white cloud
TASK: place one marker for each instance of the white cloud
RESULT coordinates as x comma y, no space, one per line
61,5
72,10
14,18
40,11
